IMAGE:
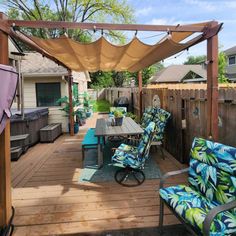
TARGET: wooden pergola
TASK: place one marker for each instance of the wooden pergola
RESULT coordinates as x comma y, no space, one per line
210,34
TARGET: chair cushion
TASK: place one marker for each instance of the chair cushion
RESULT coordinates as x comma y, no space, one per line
193,208
126,156
213,170
146,140
215,154
160,118
146,119
215,184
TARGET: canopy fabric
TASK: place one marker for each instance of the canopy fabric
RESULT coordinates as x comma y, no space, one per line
104,56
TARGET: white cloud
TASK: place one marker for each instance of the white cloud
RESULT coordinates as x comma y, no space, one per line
162,21
206,5
171,21
144,11
229,4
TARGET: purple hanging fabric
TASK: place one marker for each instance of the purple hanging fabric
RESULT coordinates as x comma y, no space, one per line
8,84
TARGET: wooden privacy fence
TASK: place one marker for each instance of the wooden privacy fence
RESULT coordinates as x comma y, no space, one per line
188,108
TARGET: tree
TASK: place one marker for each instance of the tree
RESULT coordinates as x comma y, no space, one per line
119,78
221,64
101,79
221,68
191,60
147,73
73,11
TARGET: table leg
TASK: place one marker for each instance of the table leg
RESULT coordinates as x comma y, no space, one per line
100,154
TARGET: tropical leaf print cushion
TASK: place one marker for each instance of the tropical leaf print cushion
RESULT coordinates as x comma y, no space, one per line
134,157
213,170
212,182
193,208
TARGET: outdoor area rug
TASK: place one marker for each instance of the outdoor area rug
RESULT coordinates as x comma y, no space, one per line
90,173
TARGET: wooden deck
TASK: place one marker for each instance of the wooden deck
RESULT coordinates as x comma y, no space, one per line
49,200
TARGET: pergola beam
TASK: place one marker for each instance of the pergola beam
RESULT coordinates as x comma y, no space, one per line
20,36
71,109
212,87
104,26
140,90
5,158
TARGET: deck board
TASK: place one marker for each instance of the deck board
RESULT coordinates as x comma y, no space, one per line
49,200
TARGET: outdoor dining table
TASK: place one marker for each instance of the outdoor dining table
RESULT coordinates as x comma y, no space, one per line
104,129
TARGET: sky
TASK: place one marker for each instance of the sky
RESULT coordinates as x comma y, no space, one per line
173,12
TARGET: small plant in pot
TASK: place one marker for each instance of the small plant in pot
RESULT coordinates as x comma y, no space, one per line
88,107
118,117
81,116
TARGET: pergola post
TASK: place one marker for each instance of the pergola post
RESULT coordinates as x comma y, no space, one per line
140,88
5,159
71,117
212,87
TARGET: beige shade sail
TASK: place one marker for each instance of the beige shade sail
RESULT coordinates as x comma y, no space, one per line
105,56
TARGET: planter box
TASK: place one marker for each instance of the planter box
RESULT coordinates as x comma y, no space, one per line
50,132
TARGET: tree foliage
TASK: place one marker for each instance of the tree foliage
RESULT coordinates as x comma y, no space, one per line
221,64
73,11
119,78
147,73
191,60
101,79
221,68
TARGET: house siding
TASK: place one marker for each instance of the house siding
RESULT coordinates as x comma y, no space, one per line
55,115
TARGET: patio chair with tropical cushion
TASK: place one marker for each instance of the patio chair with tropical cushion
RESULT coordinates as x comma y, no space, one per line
160,117
207,206
147,117
132,159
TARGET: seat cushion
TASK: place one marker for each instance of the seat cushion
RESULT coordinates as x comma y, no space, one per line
213,170
126,156
193,208
215,184
146,119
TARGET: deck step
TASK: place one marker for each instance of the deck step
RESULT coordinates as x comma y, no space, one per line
16,153
22,140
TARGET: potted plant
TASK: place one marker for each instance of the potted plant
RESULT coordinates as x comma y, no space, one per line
66,108
81,116
87,102
118,117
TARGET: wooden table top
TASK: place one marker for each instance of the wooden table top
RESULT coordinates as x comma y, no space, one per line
129,127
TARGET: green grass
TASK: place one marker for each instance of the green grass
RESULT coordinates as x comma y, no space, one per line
101,106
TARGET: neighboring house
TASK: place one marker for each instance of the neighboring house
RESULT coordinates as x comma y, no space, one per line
231,64
44,83
180,74
13,50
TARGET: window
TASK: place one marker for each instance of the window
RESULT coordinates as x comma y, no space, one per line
232,60
47,94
